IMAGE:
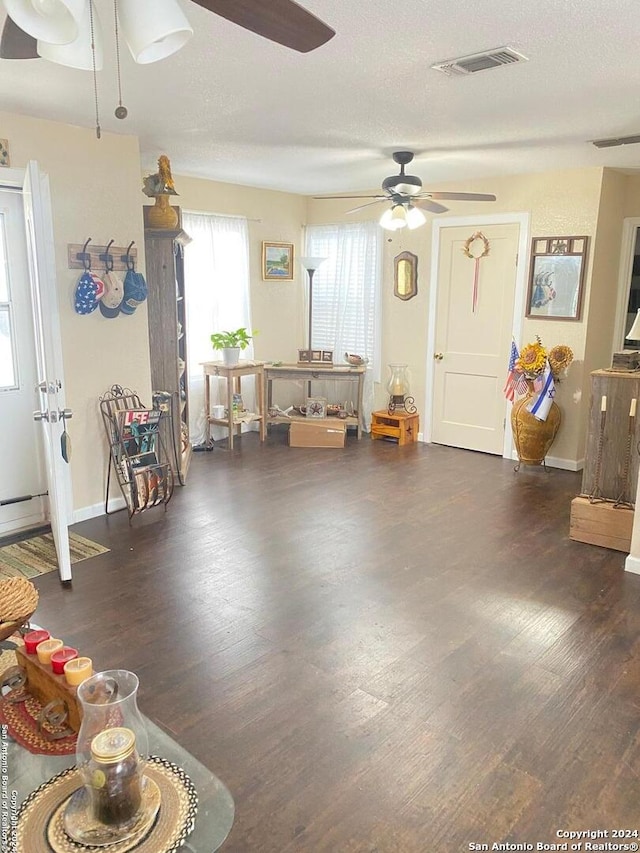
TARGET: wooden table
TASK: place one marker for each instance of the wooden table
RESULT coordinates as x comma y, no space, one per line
317,372
233,375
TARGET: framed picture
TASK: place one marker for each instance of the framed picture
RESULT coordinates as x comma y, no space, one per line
277,261
556,277
405,275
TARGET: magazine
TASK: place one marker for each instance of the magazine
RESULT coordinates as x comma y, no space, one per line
139,431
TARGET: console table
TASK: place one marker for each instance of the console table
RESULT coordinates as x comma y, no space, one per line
233,375
317,372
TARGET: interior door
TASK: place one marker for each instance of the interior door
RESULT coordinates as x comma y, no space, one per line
39,228
475,303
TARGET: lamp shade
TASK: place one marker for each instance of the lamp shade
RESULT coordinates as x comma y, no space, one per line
311,263
634,332
78,53
153,29
394,218
415,217
53,21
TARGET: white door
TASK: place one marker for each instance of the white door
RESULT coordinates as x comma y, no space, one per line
23,482
472,336
39,228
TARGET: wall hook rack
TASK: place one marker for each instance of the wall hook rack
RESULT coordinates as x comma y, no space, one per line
84,256
127,259
107,258
87,256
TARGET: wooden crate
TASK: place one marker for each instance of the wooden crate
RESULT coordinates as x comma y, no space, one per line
601,524
400,426
46,686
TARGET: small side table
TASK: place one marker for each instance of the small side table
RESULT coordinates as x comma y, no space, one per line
399,425
233,375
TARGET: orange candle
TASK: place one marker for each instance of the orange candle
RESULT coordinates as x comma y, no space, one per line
45,649
77,670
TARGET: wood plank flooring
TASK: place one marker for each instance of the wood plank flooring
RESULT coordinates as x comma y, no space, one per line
381,648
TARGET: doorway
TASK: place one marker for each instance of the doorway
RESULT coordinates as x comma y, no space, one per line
24,482
476,307
628,285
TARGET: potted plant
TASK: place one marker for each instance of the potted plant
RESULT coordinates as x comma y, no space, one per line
231,343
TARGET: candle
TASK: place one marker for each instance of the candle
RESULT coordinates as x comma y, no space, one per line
603,404
32,639
45,649
632,410
59,658
77,670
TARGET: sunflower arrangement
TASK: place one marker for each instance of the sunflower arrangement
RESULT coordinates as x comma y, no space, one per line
533,360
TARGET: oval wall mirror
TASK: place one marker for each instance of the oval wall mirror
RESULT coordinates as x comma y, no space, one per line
405,279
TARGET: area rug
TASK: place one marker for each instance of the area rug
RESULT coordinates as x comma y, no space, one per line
37,556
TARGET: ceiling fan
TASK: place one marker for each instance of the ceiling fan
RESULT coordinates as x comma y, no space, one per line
281,21
407,197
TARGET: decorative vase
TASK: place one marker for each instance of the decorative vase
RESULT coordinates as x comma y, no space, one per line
533,438
162,215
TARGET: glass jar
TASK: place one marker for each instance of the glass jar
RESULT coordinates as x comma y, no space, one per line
398,384
115,777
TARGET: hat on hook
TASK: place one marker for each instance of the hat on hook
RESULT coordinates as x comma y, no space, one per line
113,293
99,283
85,300
135,291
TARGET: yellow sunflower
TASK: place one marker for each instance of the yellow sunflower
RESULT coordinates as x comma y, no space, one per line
560,357
532,359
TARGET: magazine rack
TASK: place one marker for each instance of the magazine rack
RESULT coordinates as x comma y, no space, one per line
136,451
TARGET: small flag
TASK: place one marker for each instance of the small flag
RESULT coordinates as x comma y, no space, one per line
542,404
516,383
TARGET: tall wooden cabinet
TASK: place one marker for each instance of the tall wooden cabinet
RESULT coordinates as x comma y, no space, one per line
164,251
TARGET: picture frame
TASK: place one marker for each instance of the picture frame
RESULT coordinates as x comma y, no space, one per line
556,277
405,275
277,261
315,356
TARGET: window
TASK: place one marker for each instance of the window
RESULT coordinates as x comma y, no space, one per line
8,361
346,289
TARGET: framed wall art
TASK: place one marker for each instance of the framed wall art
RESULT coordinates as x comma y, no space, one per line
556,277
277,261
405,275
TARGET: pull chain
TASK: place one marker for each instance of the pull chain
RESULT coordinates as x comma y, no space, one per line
121,111
95,75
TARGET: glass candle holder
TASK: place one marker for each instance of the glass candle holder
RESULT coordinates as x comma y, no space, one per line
398,385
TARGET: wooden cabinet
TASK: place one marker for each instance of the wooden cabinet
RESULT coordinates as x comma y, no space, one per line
611,459
164,250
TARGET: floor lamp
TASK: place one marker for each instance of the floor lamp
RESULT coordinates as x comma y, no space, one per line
311,265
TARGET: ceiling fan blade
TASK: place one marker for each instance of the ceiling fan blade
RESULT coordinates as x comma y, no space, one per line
427,204
282,21
362,206
16,44
378,197
463,196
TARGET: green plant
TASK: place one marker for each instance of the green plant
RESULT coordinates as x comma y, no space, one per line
239,338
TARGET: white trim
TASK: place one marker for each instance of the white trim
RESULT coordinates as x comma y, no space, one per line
625,269
632,564
556,462
87,512
521,219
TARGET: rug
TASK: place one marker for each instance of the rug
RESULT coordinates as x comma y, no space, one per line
37,556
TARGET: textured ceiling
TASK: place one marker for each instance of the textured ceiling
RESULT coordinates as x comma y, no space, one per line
233,107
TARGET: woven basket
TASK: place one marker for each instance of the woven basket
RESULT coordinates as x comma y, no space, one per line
18,602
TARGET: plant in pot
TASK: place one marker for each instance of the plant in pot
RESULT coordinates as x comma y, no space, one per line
231,343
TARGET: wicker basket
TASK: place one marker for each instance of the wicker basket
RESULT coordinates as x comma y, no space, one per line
18,602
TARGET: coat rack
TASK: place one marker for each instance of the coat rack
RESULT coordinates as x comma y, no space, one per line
89,256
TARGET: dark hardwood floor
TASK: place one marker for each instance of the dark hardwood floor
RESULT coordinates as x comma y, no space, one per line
381,648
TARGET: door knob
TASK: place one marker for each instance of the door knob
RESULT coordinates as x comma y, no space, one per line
438,356
41,416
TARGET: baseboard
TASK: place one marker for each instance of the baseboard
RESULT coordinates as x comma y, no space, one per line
557,462
632,564
87,512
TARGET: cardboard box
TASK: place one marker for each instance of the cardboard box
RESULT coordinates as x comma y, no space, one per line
325,432
601,524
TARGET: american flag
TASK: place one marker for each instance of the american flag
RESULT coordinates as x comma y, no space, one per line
516,383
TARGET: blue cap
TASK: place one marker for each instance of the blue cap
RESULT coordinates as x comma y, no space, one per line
135,291
86,294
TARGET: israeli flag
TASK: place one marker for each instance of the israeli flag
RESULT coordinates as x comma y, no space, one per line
542,403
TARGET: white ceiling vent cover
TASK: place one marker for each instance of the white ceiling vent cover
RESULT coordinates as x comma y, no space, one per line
480,62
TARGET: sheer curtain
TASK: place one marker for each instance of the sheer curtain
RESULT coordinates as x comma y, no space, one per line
346,298
217,298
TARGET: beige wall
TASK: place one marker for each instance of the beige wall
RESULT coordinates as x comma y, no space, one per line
558,203
277,307
95,192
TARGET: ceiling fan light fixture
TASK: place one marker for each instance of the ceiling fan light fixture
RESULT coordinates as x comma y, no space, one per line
415,217
394,218
153,29
78,53
53,21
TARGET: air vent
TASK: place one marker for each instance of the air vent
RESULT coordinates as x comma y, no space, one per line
479,62
622,140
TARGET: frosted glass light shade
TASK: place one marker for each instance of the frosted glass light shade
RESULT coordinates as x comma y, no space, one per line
394,218
77,54
153,29
311,263
415,217
634,332
53,21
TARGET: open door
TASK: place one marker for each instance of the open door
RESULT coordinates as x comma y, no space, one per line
39,230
